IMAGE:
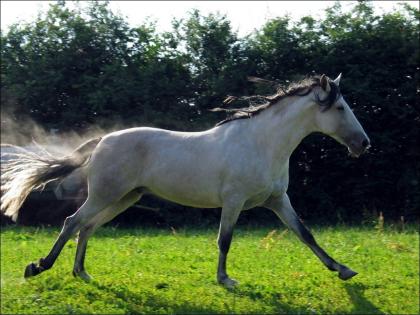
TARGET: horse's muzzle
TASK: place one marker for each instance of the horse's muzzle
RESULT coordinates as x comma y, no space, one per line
358,144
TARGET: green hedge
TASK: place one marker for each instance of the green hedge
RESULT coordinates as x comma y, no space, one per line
79,69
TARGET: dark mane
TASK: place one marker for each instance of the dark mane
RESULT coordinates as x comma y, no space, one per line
258,103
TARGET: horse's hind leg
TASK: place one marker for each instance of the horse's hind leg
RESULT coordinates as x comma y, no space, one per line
106,215
72,224
84,234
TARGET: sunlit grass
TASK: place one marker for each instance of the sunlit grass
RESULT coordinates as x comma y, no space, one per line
164,271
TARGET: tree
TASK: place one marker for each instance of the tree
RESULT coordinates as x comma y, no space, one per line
215,57
75,68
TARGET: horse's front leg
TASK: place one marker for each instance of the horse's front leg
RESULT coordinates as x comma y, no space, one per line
230,214
283,209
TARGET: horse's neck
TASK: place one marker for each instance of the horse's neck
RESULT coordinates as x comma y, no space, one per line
281,127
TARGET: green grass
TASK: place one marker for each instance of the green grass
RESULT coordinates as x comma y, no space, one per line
162,271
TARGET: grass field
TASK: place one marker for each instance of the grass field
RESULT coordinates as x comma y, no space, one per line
163,271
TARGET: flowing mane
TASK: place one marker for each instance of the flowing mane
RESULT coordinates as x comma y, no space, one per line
258,103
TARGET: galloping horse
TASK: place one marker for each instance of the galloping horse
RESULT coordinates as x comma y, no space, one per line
241,163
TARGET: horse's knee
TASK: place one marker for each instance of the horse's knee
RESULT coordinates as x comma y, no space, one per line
44,264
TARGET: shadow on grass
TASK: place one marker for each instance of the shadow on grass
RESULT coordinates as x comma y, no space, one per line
361,305
148,302
151,301
273,299
137,303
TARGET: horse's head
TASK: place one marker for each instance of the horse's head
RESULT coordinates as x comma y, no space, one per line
335,118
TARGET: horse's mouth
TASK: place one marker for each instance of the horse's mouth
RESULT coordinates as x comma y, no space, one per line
356,152
353,154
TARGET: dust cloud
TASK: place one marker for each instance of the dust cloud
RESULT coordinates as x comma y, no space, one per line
25,132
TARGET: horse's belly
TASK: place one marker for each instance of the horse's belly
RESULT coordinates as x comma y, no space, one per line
187,199
186,191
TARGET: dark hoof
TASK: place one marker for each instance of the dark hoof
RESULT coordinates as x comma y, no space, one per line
82,275
346,274
32,270
228,283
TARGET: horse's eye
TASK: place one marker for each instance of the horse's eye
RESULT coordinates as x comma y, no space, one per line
341,108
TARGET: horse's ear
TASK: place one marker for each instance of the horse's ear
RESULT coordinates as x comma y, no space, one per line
325,85
337,80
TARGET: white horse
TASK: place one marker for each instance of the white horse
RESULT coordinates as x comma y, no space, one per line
239,164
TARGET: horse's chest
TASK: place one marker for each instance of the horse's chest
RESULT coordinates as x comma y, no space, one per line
266,189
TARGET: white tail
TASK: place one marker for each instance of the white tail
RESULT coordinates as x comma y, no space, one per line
25,171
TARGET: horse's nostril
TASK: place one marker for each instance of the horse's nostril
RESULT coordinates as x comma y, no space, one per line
365,143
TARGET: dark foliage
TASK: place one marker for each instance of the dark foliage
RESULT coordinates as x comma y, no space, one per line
72,69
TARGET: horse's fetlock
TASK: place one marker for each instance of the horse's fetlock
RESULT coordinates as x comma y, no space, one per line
43,264
221,279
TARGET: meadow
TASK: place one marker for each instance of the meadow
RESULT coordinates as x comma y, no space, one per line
155,271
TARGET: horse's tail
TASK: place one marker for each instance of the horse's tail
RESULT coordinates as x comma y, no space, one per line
25,171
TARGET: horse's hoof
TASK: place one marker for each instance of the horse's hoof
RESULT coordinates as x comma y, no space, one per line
82,275
228,283
31,270
346,273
